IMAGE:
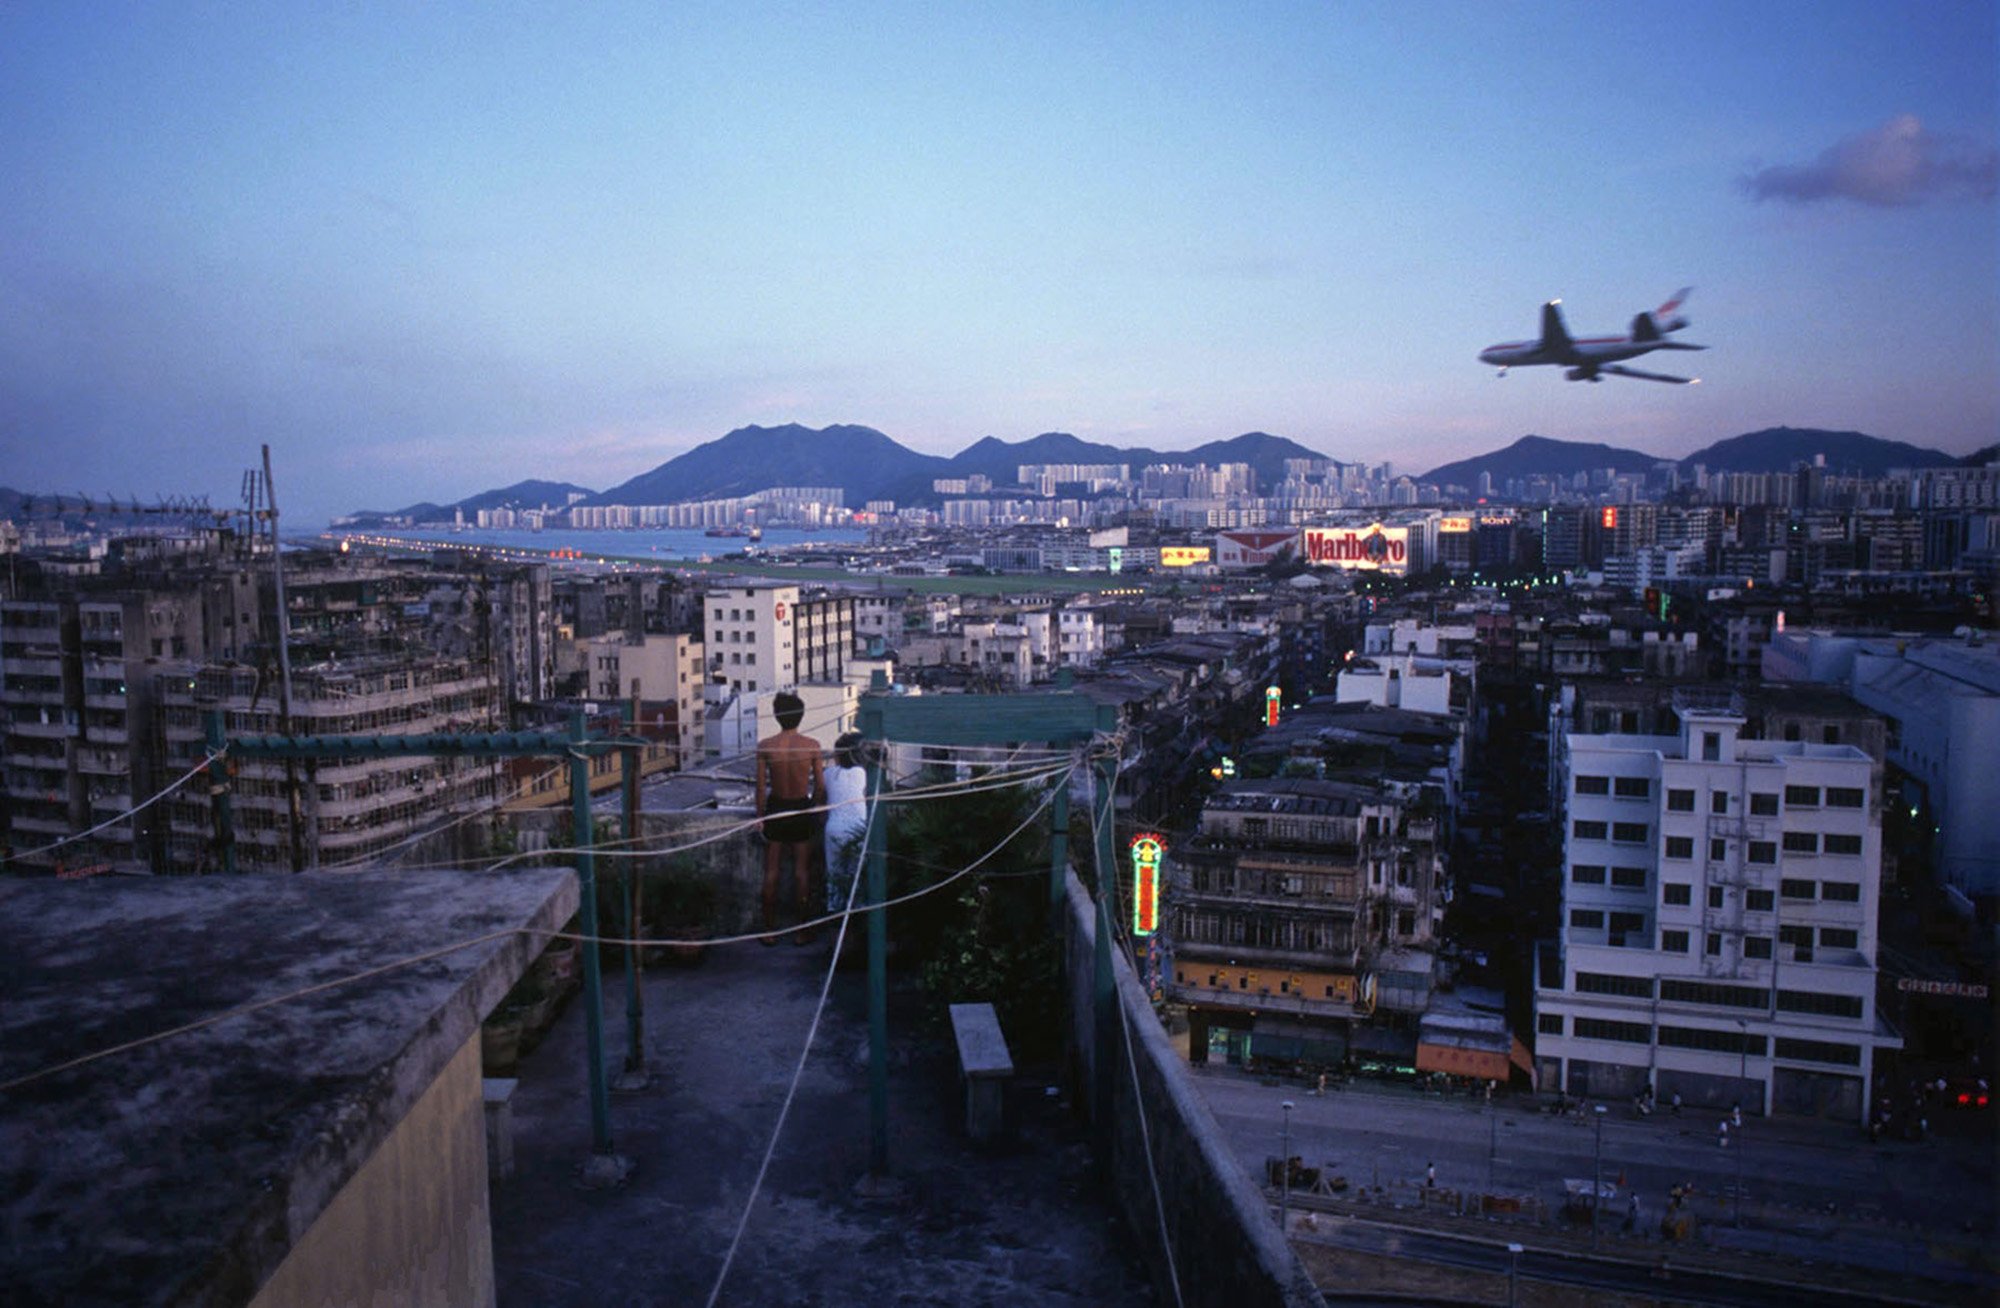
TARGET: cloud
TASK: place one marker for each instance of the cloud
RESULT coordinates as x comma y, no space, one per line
1899,163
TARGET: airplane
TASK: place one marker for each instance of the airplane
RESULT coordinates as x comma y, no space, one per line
1592,358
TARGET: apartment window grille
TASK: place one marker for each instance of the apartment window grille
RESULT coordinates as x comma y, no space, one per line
1701,1037
1819,1004
1588,785
1610,983
1801,842
1756,946
1586,874
1713,993
1597,1028
1586,919
1586,830
1844,797
1715,896
1835,843
1819,1051
1763,804
1549,1023
1796,888
1674,942
1759,901
1676,892
1762,851
1802,796
1632,787
1680,846
1680,801
1629,878
1840,892
1718,850
1839,937
1631,833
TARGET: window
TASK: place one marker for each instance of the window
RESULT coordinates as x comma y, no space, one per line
1792,888
1586,919
1802,796
1699,1037
1811,1001
1712,993
1715,896
1718,801
1676,892
1819,1051
1680,846
1756,946
1838,844
1631,833
1593,785
1759,901
1763,851
1802,842
1844,797
1829,735
1583,830
1630,878
1606,983
1680,801
1763,804
1674,942
1549,1023
1718,850
1627,924
1632,787
1711,746
1796,935
1584,874
1714,944
1839,938
1593,1028
1840,892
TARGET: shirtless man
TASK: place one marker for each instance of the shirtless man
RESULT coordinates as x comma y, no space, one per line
790,783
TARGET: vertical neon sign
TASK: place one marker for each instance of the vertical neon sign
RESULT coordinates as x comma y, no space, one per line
1271,697
1146,852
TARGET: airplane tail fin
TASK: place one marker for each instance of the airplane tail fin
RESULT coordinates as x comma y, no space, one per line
1556,342
1667,318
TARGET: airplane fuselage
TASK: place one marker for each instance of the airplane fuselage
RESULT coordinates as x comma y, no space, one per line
1591,349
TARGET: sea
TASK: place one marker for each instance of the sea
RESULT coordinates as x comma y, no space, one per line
666,544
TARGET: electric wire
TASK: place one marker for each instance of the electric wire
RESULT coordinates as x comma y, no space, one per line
136,809
798,1071
542,933
1107,879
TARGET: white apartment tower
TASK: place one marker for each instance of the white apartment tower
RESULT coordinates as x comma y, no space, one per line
749,637
1719,923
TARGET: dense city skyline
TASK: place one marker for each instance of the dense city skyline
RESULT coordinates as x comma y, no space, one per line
430,254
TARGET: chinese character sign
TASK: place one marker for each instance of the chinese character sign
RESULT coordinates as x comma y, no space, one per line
1146,853
1271,697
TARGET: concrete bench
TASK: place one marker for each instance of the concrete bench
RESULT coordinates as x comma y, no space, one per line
986,1065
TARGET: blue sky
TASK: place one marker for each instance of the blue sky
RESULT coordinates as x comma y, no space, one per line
425,251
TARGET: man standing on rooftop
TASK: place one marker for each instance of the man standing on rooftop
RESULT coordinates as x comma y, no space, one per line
790,784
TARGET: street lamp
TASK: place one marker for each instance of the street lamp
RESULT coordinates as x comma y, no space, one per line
1285,1170
1597,1175
1513,1272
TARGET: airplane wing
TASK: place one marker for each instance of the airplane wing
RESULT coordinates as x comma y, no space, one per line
1617,371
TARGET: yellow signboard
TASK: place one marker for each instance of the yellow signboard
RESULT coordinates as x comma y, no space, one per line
1181,556
1454,524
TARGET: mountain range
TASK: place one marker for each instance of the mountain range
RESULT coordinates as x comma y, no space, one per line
868,465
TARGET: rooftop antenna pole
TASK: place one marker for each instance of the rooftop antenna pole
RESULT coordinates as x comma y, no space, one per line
284,667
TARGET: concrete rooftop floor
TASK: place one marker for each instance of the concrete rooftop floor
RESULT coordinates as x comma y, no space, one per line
1020,1222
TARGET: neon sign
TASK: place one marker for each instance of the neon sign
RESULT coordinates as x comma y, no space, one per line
1271,697
1147,850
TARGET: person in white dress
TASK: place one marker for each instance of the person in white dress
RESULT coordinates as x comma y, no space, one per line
846,818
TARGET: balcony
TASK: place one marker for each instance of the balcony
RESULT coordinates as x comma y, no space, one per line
33,730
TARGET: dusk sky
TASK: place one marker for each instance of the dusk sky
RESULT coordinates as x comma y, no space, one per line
426,251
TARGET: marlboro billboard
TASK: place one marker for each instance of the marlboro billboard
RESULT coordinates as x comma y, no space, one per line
1374,547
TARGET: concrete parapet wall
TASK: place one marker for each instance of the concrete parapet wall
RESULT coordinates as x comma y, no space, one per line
1224,1242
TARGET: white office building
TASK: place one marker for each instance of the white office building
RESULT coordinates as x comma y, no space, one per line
1719,923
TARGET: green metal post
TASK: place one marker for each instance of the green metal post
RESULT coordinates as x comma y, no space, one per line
218,794
635,1013
1059,830
1103,992
593,980
875,890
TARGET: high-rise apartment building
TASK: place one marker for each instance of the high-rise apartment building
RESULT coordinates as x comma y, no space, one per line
749,637
1719,922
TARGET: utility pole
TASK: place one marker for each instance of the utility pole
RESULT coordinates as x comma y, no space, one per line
1597,1176
634,1075
284,634
1285,1172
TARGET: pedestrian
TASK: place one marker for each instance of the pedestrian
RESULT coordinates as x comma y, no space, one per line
1632,1212
1677,1103
1722,1134
1431,1175
1322,1083
1736,1115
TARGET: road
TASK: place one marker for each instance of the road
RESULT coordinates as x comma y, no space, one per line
1808,1189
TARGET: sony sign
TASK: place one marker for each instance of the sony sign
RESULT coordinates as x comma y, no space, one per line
1372,547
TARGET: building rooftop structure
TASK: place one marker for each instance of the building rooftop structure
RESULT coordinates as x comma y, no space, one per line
199,1167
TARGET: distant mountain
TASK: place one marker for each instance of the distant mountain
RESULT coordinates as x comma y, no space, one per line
1539,456
860,460
1775,449
530,494
1265,453
1780,449
1980,458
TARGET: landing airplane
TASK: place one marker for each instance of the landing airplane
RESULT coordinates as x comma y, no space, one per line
1590,358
